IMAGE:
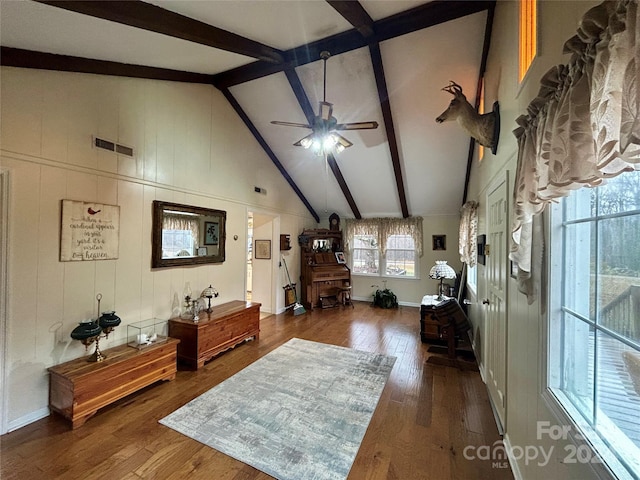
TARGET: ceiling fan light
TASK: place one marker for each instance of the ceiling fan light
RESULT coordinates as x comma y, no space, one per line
329,142
339,148
306,142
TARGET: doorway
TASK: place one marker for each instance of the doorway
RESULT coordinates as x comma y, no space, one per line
260,275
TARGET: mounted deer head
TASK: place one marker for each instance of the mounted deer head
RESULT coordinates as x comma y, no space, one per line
483,128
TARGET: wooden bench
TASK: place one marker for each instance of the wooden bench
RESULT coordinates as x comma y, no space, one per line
78,388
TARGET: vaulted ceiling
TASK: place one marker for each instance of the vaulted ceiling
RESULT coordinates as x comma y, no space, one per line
389,61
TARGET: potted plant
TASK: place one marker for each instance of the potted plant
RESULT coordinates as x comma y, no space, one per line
384,298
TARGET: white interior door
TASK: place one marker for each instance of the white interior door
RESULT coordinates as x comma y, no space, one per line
4,297
496,307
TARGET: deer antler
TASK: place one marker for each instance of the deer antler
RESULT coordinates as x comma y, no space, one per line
453,88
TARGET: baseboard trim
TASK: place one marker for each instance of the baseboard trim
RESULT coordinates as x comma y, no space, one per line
513,463
27,419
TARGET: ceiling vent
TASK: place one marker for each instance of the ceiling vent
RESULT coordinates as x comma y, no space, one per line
261,190
112,147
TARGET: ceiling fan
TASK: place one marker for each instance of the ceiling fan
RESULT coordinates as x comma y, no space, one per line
324,137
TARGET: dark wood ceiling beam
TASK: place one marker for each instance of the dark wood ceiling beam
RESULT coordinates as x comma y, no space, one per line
423,16
149,17
16,57
298,90
483,66
337,44
427,15
353,13
241,113
343,186
383,94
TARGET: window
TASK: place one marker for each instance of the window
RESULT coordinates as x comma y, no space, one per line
388,247
400,259
365,255
527,40
594,329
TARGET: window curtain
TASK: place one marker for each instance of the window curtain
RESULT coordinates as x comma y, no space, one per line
584,125
175,221
382,228
467,246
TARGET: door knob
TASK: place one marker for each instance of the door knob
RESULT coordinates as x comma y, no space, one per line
486,301
466,301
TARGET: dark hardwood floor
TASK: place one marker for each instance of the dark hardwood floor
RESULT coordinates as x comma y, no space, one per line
428,414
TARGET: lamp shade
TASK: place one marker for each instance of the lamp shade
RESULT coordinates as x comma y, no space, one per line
442,270
209,292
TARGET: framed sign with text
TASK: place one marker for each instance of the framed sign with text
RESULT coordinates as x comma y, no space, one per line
89,231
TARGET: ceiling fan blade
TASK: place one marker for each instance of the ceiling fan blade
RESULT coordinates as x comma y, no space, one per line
356,126
343,141
305,142
326,109
291,124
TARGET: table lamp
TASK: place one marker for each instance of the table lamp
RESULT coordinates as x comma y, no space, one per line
440,271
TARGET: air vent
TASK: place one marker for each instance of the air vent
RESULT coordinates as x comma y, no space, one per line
113,147
106,144
261,190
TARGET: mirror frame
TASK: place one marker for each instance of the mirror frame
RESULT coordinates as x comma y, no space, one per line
156,246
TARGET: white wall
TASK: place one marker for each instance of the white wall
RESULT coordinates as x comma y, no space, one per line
183,136
558,21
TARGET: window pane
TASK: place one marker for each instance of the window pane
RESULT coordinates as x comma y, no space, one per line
176,242
577,360
619,275
365,261
579,274
618,397
400,262
580,204
366,258
620,194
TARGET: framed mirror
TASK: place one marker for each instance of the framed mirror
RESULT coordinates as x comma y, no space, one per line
187,235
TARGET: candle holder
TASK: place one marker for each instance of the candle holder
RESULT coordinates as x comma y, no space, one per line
90,332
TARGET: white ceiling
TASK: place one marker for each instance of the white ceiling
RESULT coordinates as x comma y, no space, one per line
433,157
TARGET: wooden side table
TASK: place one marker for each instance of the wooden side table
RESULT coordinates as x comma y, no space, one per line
78,388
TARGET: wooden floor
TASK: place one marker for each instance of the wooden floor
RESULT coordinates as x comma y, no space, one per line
427,418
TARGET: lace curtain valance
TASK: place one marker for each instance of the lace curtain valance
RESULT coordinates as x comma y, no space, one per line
382,228
584,125
467,246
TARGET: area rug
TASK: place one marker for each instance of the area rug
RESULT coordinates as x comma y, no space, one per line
298,413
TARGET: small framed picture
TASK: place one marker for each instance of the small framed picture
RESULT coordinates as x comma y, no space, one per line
340,257
439,242
202,251
262,249
211,233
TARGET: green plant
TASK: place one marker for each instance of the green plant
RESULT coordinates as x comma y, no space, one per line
384,298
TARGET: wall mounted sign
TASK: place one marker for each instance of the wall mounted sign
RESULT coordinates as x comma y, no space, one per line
89,231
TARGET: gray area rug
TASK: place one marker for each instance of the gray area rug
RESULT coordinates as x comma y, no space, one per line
300,412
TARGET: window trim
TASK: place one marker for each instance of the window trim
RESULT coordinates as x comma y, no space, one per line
581,434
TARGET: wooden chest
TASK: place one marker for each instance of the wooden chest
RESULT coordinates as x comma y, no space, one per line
78,388
225,327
